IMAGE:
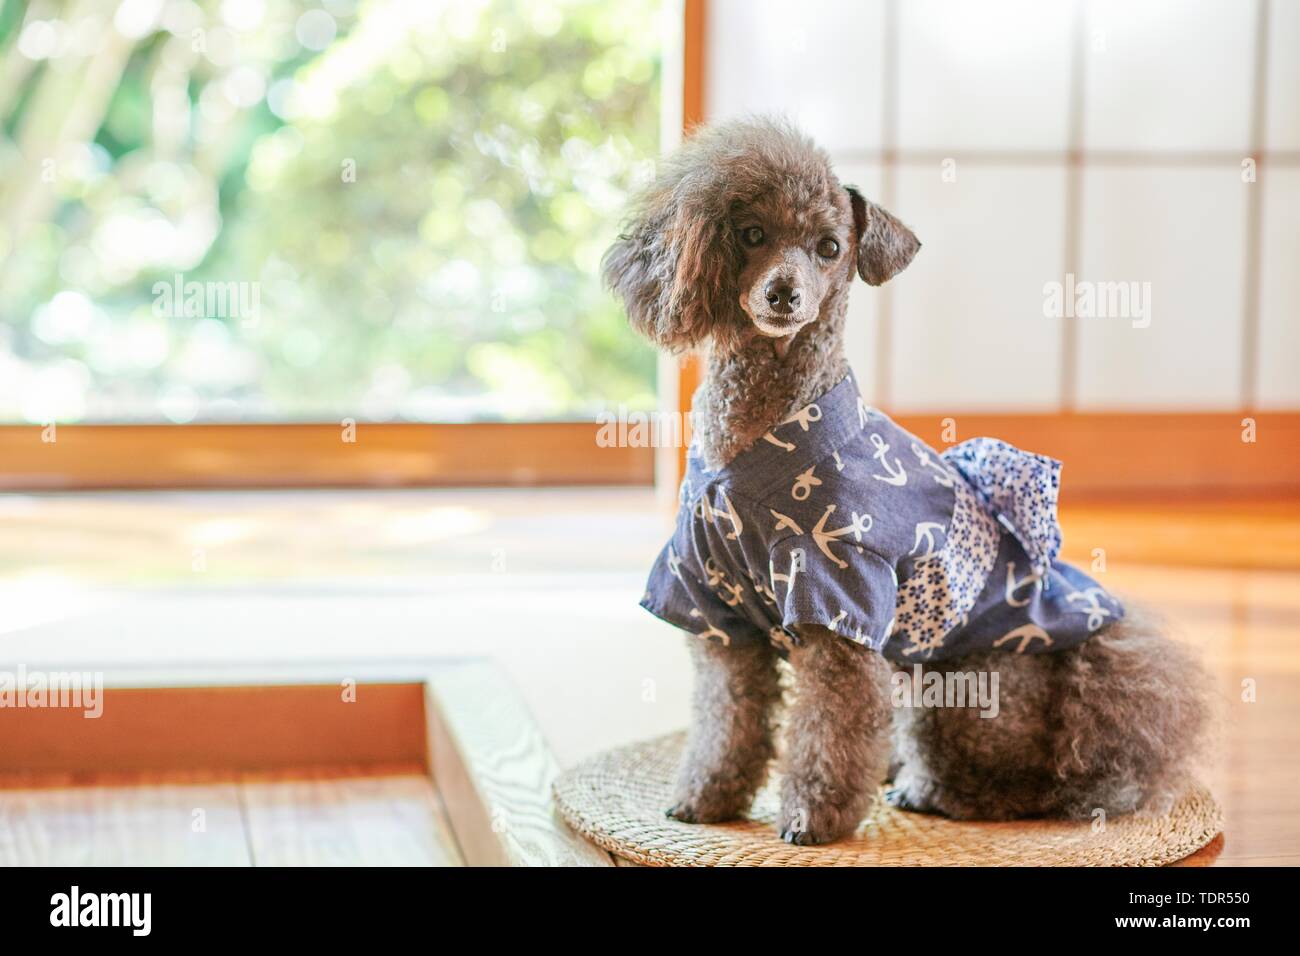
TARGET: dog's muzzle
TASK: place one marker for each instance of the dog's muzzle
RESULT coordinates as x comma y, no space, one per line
778,310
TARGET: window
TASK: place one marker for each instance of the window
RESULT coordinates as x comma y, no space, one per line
281,210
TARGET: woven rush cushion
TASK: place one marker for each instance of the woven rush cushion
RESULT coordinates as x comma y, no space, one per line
617,800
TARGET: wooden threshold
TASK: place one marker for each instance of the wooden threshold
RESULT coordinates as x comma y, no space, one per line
1107,455
1110,455
218,728
282,456
459,723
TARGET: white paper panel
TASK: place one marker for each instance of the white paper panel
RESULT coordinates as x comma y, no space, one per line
1279,318
968,324
820,62
1169,74
987,75
1181,230
1283,130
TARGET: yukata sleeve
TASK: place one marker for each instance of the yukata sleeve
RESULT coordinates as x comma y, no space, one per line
678,591
841,586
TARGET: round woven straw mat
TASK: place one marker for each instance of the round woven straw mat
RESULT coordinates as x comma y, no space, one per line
617,800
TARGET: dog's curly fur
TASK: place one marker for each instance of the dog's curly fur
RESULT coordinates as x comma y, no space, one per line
1109,725
1112,725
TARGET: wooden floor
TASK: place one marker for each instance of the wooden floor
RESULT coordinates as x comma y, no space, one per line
547,583
321,817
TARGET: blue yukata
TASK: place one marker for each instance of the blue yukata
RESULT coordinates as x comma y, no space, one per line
839,518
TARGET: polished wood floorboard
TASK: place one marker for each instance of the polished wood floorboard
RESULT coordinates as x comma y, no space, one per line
317,817
547,582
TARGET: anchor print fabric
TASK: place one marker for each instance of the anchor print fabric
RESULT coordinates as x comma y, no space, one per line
839,518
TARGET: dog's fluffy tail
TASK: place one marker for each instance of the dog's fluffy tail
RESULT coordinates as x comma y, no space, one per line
1134,715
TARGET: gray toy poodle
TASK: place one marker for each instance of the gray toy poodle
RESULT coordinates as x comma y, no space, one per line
935,639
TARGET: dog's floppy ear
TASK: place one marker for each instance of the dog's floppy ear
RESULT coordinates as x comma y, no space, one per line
671,265
885,245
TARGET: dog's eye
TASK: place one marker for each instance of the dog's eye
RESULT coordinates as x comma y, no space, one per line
753,236
828,248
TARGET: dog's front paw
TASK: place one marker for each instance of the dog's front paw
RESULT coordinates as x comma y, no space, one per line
705,808
683,812
805,823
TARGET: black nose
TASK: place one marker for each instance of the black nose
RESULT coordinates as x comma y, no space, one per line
782,297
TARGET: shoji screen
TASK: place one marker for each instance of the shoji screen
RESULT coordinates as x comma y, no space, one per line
1146,142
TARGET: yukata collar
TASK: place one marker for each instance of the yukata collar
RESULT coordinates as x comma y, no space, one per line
797,443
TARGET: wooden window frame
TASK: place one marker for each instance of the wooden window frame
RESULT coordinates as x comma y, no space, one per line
70,457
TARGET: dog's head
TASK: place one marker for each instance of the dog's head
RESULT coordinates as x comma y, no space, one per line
747,231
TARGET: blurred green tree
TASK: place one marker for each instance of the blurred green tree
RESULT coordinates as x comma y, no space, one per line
406,201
